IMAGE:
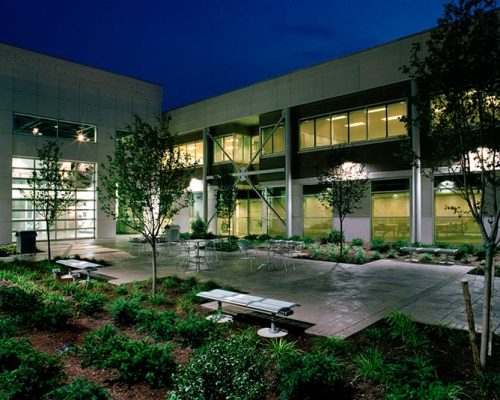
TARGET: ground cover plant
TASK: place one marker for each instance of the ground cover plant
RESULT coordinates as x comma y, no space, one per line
122,343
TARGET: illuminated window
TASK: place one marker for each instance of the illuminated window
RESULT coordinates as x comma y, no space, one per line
236,147
274,143
372,123
38,126
448,225
276,198
317,217
192,149
391,210
78,221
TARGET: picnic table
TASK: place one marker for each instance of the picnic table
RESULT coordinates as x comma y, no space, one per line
80,266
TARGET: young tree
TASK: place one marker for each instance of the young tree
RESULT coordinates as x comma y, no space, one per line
344,186
226,196
51,189
148,177
457,76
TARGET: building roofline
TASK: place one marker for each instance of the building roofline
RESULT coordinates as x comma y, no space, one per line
2,42
421,33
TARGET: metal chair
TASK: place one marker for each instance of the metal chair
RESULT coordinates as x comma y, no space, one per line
247,255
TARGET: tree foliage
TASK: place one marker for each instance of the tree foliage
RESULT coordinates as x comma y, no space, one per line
51,189
148,177
457,76
344,185
226,196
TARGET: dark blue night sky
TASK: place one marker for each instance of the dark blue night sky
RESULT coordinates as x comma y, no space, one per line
196,48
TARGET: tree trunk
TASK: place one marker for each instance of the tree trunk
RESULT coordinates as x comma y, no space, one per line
153,249
341,258
48,240
487,305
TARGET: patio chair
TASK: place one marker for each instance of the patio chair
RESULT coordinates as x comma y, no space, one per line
247,255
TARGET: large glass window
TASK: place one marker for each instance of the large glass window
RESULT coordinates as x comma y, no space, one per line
78,221
449,226
317,218
248,214
39,126
391,210
193,149
236,147
275,141
372,123
276,198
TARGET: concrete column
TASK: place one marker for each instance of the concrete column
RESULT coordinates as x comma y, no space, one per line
288,172
416,187
205,215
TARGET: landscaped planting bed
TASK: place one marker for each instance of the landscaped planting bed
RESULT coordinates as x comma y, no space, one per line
93,340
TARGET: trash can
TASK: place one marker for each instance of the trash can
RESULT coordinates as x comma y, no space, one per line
26,242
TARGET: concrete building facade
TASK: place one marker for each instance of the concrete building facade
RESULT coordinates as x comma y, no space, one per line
278,135
45,98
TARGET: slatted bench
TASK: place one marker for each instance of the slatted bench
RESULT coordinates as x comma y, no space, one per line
430,250
266,305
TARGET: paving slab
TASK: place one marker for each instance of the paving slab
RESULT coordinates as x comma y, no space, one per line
336,299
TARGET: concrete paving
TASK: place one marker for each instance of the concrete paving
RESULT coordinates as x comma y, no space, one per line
336,299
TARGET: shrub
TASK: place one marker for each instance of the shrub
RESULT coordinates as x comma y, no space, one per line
196,331
172,282
9,326
263,237
159,299
135,361
125,311
54,313
121,290
280,348
375,256
79,389
7,250
16,299
371,365
379,245
330,345
224,369
403,243
427,258
160,325
357,242
312,376
335,236
198,229
358,257
89,303
392,254
26,373
402,326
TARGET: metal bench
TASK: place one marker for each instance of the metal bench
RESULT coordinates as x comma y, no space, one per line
80,266
271,306
428,250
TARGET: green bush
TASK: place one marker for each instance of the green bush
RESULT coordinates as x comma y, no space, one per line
427,258
335,236
160,325
135,361
159,299
375,256
121,290
379,245
280,348
16,299
126,312
7,250
371,365
172,282
392,254
312,376
26,373
54,314
403,243
196,331
403,327
198,229
225,369
79,389
330,345
357,242
89,303
9,326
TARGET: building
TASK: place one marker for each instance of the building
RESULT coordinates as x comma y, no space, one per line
43,98
278,135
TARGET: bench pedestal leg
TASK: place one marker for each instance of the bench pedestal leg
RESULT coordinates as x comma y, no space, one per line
273,331
219,317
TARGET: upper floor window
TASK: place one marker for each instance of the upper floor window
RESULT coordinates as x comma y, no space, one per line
369,123
38,126
192,149
235,147
273,142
